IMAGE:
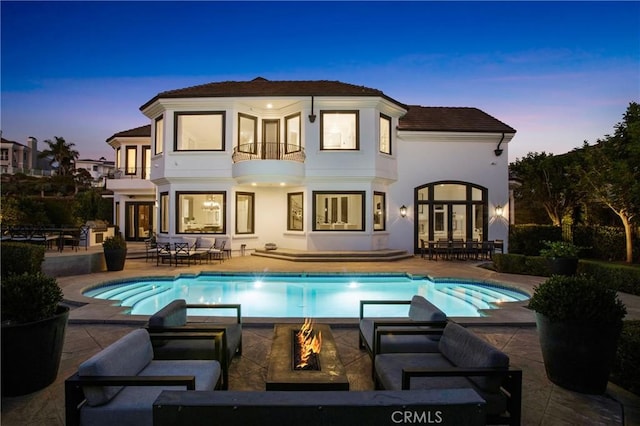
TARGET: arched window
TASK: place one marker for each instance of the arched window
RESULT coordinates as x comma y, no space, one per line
451,210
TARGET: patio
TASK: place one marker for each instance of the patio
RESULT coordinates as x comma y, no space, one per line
97,324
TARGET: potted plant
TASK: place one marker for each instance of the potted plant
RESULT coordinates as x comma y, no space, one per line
579,322
562,257
115,252
33,328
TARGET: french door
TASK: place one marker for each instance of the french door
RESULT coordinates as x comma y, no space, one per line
138,221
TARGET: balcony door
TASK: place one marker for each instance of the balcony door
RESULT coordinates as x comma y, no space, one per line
271,139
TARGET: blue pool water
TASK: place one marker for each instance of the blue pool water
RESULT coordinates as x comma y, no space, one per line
306,295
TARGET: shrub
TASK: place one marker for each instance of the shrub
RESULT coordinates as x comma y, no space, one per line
115,242
29,297
20,258
520,264
604,242
577,298
556,249
625,371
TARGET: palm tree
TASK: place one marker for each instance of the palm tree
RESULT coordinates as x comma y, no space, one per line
61,154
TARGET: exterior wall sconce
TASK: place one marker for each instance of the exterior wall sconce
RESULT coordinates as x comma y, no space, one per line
499,210
403,211
312,116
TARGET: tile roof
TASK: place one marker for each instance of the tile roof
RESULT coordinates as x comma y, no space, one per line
262,87
132,133
451,119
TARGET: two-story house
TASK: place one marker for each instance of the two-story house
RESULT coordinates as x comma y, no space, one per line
98,169
310,165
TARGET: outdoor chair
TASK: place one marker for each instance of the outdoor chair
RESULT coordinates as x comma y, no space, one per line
422,315
150,249
119,384
183,252
206,247
463,360
163,253
173,319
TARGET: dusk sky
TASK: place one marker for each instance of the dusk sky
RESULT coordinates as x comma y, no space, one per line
558,72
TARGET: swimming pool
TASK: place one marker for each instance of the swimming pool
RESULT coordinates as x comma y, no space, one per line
306,295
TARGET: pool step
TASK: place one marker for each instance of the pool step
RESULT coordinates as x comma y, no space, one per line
334,256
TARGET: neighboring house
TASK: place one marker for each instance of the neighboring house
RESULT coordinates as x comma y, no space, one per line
98,169
311,165
18,158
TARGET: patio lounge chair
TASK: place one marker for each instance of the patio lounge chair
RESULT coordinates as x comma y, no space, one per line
173,319
463,360
118,385
422,315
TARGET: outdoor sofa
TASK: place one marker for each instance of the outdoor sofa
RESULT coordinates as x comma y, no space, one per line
463,361
119,384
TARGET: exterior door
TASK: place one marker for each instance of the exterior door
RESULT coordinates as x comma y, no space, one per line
138,221
271,139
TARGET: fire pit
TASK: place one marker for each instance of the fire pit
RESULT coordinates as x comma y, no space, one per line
305,358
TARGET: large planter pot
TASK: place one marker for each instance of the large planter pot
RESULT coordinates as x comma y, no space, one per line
576,356
563,265
115,258
31,353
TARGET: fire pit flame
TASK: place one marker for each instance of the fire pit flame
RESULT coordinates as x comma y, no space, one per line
308,343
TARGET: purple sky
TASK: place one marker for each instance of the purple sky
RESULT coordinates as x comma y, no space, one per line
558,72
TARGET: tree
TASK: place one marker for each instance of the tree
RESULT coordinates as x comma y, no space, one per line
549,181
61,155
611,171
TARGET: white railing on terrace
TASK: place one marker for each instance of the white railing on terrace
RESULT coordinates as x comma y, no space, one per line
30,172
268,151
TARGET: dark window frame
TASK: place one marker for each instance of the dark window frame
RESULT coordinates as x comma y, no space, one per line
158,144
290,211
385,117
130,148
286,133
356,113
253,212
383,209
223,209
163,212
255,132
178,114
363,195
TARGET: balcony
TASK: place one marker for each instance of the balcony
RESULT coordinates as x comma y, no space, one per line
130,181
278,164
268,151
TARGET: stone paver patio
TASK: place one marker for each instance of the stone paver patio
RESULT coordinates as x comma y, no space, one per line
512,329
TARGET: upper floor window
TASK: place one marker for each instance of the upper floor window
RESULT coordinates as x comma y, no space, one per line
159,142
385,134
131,160
339,130
4,154
146,162
118,160
247,131
199,131
292,133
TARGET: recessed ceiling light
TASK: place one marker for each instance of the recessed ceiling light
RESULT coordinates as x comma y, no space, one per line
269,106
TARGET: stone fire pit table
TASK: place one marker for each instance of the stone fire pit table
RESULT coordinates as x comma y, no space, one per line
281,376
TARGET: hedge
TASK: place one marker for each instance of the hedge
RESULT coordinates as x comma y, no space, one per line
625,371
528,239
618,277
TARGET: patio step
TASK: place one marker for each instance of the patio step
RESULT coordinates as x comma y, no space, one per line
334,256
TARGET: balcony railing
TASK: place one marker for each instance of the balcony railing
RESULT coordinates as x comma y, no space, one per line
130,173
268,151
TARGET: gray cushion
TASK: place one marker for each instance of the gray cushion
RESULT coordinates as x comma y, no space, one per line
134,404
199,349
421,309
172,315
465,349
126,357
402,343
389,372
